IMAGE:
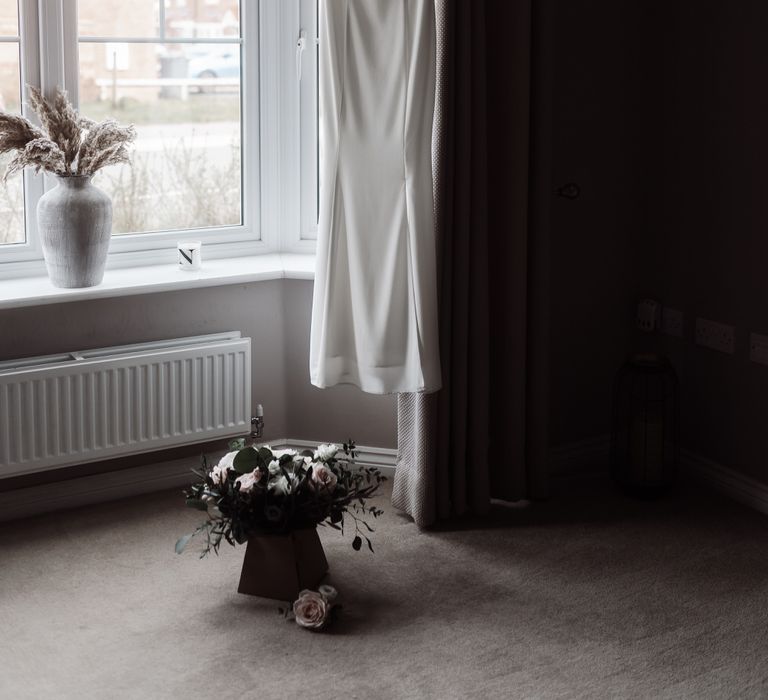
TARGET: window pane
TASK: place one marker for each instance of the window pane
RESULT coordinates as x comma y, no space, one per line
202,19
9,18
12,191
185,102
118,18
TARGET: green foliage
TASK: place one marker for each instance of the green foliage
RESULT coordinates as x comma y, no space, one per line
269,492
237,444
246,461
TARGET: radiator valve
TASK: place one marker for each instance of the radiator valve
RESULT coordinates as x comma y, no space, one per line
257,423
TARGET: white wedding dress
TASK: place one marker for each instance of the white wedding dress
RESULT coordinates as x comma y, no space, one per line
374,313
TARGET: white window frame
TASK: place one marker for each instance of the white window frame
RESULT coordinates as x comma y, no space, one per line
276,116
308,110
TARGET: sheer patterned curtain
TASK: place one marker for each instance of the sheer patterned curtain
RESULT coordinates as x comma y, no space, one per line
483,435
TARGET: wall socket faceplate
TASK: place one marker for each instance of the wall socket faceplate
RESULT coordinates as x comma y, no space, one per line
716,336
758,348
672,322
648,315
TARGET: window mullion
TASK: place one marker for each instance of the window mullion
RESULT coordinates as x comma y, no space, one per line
280,137
70,46
308,125
29,39
51,37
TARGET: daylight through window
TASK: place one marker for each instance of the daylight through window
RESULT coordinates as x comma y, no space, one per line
11,191
173,69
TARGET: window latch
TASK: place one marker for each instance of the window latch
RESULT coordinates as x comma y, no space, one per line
301,45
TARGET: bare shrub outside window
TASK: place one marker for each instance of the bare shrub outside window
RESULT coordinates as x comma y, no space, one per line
183,94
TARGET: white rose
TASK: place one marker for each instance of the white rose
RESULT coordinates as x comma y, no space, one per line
228,460
282,486
322,479
274,468
326,452
281,453
219,472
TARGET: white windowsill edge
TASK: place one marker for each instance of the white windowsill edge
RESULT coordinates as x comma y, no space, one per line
36,291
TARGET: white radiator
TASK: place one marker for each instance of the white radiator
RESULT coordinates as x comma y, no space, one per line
91,405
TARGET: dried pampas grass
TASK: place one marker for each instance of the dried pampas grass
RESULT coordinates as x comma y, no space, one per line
68,144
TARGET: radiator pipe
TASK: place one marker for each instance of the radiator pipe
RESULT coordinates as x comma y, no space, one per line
257,423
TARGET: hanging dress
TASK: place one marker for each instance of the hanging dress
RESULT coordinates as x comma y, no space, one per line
374,311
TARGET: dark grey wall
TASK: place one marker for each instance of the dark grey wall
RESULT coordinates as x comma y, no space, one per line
274,314
712,220
604,131
660,113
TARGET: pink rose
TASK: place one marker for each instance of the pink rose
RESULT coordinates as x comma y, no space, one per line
323,479
249,480
311,610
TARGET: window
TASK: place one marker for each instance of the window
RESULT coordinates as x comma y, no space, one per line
223,97
12,191
175,72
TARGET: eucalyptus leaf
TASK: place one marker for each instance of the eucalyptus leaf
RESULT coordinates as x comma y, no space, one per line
182,542
246,460
357,543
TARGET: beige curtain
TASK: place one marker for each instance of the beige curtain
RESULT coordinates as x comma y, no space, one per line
483,435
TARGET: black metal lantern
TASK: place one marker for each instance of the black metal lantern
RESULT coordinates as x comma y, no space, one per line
645,433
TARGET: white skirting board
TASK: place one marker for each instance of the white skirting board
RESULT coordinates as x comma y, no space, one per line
590,458
727,481
137,481
584,458
384,458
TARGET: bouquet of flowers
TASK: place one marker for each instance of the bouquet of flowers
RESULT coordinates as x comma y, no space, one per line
256,490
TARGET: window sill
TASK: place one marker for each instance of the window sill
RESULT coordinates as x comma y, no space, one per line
36,291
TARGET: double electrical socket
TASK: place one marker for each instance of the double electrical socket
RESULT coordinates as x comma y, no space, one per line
716,336
651,316
709,334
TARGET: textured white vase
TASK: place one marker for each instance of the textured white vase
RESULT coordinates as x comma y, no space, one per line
74,222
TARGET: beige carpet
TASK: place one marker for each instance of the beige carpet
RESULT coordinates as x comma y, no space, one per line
589,595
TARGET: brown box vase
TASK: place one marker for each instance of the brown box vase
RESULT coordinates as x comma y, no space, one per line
280,566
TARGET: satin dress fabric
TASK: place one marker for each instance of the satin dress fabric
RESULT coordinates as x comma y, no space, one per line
374,312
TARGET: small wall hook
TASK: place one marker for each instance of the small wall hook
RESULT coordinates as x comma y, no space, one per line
570,190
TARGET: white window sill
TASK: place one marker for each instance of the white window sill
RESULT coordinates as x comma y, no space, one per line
35,291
